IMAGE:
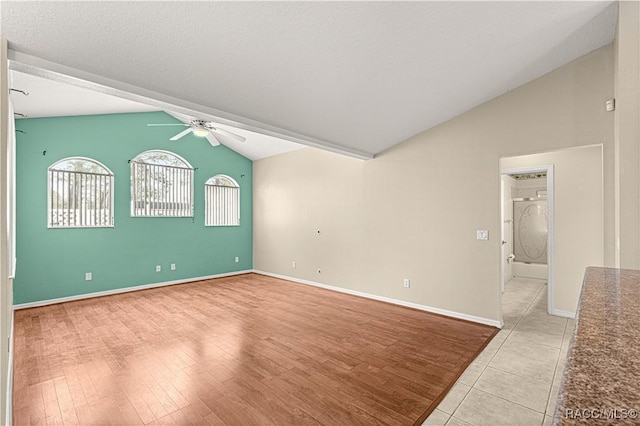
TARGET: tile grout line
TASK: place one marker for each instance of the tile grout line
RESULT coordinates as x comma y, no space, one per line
529,308
566,325
555,368
533,301
516,324
458,406
509,401
520,376
463,398
487,365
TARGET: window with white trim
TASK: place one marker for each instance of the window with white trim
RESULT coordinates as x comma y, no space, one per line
80,194
222,201
161,185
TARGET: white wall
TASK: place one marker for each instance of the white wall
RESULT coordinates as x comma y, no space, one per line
627,135
578,218
413,211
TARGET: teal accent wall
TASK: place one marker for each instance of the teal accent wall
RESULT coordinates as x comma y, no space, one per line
51,263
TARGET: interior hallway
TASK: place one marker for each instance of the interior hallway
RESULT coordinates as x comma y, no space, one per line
515,379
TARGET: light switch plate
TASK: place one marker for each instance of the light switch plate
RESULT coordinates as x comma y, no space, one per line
610,105
482,234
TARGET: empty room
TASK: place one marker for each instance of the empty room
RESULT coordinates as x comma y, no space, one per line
326,213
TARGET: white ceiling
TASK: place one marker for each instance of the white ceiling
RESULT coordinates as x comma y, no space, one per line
362,75
49,98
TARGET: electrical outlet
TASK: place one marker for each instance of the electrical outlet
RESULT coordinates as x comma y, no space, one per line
406,282
237,259
88,276
293,264
173,266
158,268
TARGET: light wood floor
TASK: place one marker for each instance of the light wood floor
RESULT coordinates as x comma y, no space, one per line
238,351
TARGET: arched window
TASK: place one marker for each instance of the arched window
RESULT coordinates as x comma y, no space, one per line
222,201
161,185
80,194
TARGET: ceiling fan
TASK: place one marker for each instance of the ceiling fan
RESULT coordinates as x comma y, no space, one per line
202,128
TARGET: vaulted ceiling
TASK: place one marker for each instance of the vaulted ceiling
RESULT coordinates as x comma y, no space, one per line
51,98
360,75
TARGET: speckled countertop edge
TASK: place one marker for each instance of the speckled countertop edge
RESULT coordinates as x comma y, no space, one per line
601,379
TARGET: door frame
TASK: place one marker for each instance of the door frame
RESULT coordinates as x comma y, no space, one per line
548,169
503,253
7,253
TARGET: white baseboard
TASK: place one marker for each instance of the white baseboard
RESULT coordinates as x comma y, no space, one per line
452,314
565,314
431,309
124,290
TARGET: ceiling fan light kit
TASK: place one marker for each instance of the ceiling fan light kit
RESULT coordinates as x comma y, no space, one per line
200,132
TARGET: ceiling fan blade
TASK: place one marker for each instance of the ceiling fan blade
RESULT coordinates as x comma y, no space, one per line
212,139
184,118
171,124
181,134
230,135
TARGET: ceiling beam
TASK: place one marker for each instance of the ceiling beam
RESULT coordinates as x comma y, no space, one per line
53,71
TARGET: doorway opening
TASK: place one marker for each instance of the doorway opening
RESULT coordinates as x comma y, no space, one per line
527,238
575,202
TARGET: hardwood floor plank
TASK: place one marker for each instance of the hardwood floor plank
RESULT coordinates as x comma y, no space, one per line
213,420
247,350
86,415
142,409
65,402
234,411
128,413
260,400
51,407
21,416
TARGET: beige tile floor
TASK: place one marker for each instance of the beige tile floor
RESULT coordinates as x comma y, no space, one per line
514,381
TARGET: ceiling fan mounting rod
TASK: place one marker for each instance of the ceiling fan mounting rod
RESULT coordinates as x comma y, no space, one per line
201,124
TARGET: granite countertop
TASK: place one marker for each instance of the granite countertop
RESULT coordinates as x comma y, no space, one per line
601,380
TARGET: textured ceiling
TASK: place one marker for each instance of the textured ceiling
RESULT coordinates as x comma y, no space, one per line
363,75
49,98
